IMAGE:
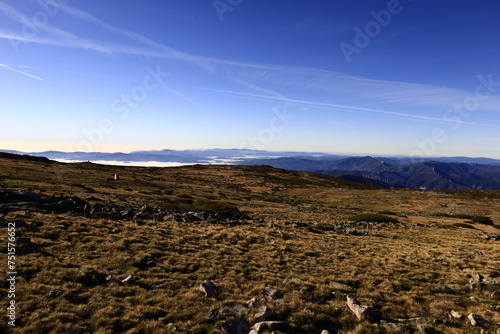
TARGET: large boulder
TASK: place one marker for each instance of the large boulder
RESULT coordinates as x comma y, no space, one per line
476,281
209,289
476,319
272,293
21,196
268,325
90,277
263,314
364,312
236,326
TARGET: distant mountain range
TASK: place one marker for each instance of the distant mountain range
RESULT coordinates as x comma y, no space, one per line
380,172
175,156
438,173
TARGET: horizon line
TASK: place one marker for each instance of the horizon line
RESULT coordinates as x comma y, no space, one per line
352,154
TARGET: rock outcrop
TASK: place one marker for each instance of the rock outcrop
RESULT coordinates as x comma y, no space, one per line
363,312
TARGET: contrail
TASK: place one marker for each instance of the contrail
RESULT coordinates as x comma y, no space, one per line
21,72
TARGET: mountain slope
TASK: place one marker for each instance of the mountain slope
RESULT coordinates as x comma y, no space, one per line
98,254
431,175
440,173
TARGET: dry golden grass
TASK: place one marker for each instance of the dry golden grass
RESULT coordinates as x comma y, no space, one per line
415,270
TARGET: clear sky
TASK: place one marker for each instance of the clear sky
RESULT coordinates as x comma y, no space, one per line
409,77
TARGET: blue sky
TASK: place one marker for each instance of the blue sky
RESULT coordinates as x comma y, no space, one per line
409,77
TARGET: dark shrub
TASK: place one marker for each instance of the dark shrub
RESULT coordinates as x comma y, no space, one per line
464,225
482,220
373,218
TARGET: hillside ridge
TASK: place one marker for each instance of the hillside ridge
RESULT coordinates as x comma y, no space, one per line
223,249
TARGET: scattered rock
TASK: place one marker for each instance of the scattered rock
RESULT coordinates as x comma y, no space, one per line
476,281
171,327
236,326
474,299
226,311
447,323
55,293
263,314
209,288
252,303
496,294
393,328
312,298
363,312
491,237
189,218
457,315
145,262
129,279
66,205
476,319
297,224
269,325
21,195
308,310
355,232
90,277
84,311
87,271
330,327
425,329
272,293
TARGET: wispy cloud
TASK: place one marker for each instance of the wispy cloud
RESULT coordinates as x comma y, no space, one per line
13,13
257,88
21,72
161,49
178,94
258,77
146,47
62,38
346,108
365,89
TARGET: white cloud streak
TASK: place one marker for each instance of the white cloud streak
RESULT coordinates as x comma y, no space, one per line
368,90
255,76
340,107
21,72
